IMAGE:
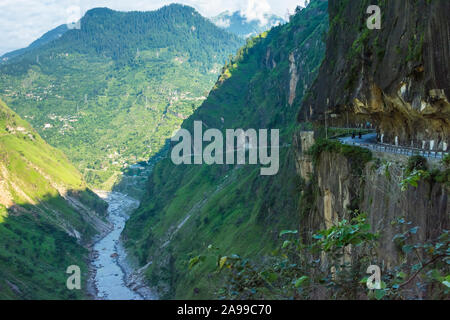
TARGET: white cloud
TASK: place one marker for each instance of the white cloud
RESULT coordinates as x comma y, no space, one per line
223,23
257,10
23,21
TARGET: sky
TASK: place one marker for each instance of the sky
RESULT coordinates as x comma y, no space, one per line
23,21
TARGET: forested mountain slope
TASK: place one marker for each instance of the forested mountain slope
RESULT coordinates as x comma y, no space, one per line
188,208
47,214
111,93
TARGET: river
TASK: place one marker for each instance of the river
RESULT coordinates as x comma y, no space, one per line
112,272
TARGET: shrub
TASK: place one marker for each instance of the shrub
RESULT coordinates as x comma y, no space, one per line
357,156
324,269
416,163
446,161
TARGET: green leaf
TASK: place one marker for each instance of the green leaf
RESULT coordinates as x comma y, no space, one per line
284,232
301,281
286,244
446,283
269,276
222,262
436,275
380,294
364,280
407,249
195,260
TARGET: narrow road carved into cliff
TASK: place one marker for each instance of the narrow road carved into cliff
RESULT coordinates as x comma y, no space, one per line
369,141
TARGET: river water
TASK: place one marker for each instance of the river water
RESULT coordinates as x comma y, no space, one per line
109,262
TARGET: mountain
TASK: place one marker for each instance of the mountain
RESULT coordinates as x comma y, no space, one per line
338,207
47,215
334,209
234,208
240,25
111,93
46,38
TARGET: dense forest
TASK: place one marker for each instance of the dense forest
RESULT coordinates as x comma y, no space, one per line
111,93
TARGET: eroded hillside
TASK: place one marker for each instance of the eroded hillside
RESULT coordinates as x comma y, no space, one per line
47,214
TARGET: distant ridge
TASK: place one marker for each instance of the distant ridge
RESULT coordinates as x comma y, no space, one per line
46,38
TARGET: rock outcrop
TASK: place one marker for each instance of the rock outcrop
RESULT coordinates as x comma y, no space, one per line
303,141
397,78
376,191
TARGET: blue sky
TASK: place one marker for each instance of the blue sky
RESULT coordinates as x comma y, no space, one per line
23,21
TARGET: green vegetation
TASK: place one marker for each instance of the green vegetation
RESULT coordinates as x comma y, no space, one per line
415,48
357,156
35,220
416,163
110,94
446,161
417,170
334,266
34,256
231,207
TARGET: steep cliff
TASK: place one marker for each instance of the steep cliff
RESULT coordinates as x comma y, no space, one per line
373,184
342,181
110,93
397,78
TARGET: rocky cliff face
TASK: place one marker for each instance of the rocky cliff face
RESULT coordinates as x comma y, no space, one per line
397,78
376,190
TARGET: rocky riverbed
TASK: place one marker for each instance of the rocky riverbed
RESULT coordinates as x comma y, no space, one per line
112,275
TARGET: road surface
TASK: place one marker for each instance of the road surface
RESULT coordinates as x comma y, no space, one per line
369,141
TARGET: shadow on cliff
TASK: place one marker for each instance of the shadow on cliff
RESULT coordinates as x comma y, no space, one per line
38,241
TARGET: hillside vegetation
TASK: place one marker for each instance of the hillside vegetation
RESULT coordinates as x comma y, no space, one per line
111,93
46,214
190,208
